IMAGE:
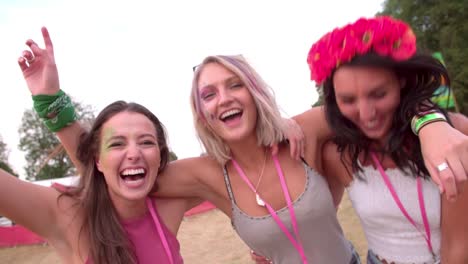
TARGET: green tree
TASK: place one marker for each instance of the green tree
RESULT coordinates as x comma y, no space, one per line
4,153
172,156
7,168
3,150
45,158
439,26
319,101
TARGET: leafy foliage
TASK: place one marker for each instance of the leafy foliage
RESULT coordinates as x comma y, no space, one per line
45,158
4,158
440,26
172,156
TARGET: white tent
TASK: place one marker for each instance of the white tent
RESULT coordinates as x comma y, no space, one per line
67,181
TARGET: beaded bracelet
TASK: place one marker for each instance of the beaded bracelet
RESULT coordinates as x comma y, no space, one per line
419,121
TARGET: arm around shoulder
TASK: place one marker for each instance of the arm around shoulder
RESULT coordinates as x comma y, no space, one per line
314,124
189,177
334,171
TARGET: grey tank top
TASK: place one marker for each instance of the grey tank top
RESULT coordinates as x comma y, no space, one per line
320,233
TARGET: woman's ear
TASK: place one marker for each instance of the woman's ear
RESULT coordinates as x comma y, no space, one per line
98,163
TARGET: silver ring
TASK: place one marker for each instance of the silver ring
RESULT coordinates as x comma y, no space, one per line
442,166
31,60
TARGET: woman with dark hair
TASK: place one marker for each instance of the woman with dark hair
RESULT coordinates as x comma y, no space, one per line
373,81
108,217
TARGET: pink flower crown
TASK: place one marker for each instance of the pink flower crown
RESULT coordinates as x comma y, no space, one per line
383,35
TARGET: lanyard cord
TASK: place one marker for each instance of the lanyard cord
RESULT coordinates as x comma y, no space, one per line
295,241
422,206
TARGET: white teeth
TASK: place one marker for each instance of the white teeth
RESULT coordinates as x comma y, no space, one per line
133,171
371,124
230,112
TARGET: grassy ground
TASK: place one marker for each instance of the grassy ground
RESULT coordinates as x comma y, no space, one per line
204,238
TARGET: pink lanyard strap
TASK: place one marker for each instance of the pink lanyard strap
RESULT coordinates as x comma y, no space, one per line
422,206
296,243
150,205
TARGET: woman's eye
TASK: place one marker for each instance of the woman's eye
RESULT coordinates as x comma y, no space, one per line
380,95
347,100
236,85
207,96
149,142
115,144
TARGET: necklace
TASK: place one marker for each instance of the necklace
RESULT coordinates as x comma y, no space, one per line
259,200
294,238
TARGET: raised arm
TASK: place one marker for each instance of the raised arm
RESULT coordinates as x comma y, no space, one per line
41,75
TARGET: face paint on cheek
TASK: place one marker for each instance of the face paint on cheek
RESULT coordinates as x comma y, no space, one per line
208,115
212,117
107,135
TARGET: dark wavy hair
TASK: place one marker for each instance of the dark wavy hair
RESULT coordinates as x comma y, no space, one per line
107,237
422,75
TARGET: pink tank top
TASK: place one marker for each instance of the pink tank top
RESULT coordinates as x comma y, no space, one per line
147,242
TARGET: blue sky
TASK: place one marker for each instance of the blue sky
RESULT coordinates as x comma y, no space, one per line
143,51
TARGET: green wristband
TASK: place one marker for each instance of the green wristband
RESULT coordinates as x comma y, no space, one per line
56,110
62,119
420,122
46,105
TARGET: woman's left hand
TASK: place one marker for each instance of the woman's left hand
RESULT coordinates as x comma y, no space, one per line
294,134
445,152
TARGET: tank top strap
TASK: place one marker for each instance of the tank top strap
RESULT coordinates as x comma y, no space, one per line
157,222
228,185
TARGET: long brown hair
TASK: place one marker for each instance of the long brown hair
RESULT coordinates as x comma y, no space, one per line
107,237
423,76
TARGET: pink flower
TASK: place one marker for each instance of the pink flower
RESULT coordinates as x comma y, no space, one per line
405,47
384,35
320,60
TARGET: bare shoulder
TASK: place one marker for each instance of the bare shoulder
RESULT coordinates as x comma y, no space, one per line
312,122
333,165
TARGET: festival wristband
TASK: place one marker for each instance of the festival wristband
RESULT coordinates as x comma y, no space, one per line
63,119
56,110
419,122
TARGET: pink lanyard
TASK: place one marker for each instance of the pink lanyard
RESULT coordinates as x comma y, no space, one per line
422,207
150,205
296,243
